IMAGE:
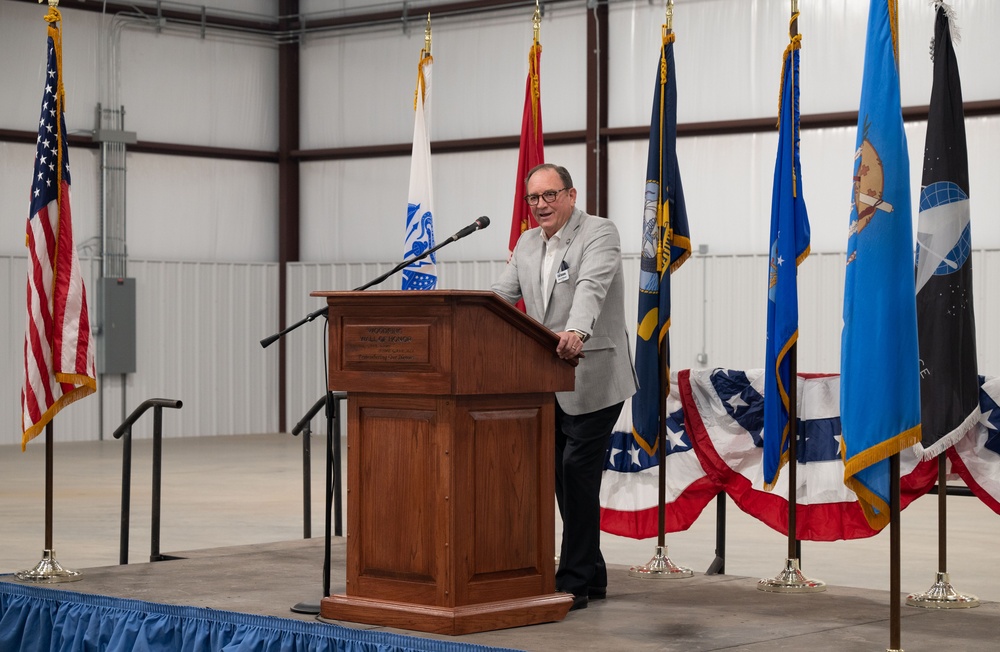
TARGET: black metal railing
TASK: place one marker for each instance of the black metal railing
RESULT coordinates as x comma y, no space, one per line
126,430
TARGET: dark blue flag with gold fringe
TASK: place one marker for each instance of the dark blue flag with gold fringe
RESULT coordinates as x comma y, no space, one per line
789,247
880,373
946,322
666,244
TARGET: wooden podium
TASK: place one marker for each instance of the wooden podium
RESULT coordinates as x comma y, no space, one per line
450,461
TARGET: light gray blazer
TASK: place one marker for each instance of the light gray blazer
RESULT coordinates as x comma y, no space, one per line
591,300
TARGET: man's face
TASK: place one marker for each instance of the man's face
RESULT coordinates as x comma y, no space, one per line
551,216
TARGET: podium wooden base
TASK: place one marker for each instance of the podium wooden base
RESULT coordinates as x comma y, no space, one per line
468,619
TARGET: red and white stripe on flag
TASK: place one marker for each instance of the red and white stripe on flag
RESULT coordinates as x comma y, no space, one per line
58,347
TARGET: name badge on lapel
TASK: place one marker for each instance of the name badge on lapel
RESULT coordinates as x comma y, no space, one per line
563,274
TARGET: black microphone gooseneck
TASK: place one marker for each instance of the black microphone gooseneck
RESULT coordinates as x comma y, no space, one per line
480,223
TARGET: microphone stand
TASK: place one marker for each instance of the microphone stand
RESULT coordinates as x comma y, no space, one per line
331,409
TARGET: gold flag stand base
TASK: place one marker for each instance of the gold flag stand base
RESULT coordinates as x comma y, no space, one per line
791,580
942,596
660,568
48,571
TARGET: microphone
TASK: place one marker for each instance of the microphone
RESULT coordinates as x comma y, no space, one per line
480,223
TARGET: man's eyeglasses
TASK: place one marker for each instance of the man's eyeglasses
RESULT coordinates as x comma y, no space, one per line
549,196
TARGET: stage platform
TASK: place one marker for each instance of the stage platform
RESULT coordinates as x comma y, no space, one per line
225,499
703,613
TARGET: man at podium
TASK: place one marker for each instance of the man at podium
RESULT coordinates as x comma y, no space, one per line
568,270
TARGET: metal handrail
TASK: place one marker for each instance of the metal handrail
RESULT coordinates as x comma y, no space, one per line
333,462
126,429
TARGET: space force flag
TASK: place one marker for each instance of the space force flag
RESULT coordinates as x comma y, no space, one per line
58,347
880,375
946,323
421,275
666,244
789,247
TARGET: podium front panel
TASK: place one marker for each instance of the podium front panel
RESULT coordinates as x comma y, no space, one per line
504,468
394,498
450,500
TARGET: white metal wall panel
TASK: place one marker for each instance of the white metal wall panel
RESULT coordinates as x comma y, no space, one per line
198,332
211,209
355,210
728,55
22,42
199,328
217,92
821,312
358,87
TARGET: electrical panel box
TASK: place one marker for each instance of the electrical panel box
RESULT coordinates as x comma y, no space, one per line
116,338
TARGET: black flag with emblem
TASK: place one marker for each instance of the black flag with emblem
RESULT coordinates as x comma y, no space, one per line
946,324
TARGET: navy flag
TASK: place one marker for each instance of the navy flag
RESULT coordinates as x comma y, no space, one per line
880,373
666,244
789,247
946,323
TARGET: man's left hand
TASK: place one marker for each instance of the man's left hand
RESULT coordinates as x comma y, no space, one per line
570,345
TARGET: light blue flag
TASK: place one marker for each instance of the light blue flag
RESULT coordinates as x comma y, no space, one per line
880,375
789,247
421,275
666,244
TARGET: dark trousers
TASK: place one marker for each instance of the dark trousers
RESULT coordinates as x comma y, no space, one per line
581,445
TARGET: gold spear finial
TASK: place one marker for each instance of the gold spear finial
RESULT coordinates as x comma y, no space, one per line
52,3
427,37
668,25
536,20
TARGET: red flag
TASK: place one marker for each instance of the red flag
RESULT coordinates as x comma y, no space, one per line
58,348
531,151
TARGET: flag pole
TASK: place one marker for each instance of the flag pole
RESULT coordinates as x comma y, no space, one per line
791,578
946,118
536,22
895,626
942,595
48,570
660,566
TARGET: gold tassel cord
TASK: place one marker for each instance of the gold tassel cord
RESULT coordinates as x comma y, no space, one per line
536,88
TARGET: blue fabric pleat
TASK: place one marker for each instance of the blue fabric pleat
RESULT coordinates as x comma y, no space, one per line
36,619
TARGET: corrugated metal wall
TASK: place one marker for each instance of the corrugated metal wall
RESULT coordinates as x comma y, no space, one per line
200,325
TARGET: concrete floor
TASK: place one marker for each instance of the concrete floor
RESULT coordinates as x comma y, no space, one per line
224,492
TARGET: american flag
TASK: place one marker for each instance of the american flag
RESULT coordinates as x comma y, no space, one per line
58,348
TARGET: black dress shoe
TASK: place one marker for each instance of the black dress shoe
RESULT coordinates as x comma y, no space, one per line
597,592
579,601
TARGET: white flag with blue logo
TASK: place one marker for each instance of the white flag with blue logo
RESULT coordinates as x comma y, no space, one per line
421,275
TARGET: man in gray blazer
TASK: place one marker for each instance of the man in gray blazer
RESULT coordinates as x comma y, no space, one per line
569,273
